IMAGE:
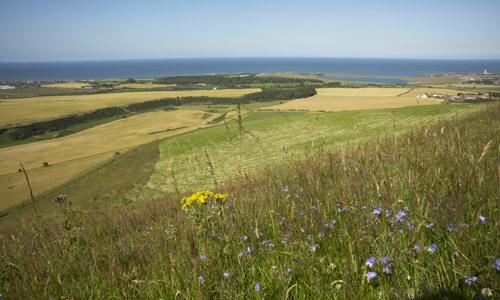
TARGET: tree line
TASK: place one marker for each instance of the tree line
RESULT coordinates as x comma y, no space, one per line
230,81
38,128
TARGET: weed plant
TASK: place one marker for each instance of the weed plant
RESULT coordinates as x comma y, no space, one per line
405,216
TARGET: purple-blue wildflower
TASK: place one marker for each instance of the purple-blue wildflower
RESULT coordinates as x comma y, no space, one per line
284,240
409,225
270,245
203,257
363,207
49,271
313,248
369,262
371,275
483,219
321,234
451,227
288,270
388,269
309,237
244,237
496,264
202,280
303,229
387,213
240,255
385,259
249,250
417,247
226,274
301,213
313,207
282,221
432,248
257,286
429,225
470,280
377,211
334,222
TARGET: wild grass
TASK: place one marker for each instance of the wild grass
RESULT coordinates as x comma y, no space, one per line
419,210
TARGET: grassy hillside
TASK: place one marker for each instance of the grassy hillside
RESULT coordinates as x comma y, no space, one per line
402,216
272,137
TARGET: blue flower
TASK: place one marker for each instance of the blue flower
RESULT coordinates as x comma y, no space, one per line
417,247
429,225
451,227
385,259
257,286
244,237
270,245
496,264
288,270
249,250
483,219
301,213
321,233
240,255
371,275
313,207
409,225
282,221
387,213
369,262
227,275
309,237
303,229
388,269
202,280
377,211
470,280
363,207
334,222
313,248
432,248
49,271
203,257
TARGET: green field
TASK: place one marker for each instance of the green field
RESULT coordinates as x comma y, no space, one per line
270,138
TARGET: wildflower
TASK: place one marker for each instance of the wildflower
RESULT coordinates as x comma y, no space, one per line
257,286
432,248
313,248
203,257
244,237
202,280
371,275
240,255
287,197
388,269
369,262
301,213
409,225
313,207
387,213
249,250
303,229
377,211
227,275
363,207
483,219
435,208
321,233
288,270
496,264
284,240
451,227
334,222
470,280
49,271
417,247
282,221
309,237
429,225
385,259
270,245
400,215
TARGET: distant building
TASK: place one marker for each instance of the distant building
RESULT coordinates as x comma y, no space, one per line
7,87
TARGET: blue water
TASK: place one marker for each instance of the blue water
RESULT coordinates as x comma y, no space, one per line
369,79
86,70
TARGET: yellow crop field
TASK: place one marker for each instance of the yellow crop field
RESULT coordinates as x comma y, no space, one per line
15,189
340,99
143,85
27,110
67,85
68,156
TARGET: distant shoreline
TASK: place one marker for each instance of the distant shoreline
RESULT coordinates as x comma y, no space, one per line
154,68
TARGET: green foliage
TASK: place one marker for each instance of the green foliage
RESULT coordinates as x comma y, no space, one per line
231,80
305,228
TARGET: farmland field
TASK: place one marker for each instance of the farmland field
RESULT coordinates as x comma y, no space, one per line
272,137
26,110
67,156
340,99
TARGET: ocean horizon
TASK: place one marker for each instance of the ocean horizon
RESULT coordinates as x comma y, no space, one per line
154,68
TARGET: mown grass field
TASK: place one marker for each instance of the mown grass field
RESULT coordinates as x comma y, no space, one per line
274,137
27,110
340,99
409,215
70,155
67,85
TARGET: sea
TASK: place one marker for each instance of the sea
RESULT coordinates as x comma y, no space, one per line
154,68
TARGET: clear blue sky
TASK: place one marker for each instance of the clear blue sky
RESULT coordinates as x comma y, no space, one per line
51,30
